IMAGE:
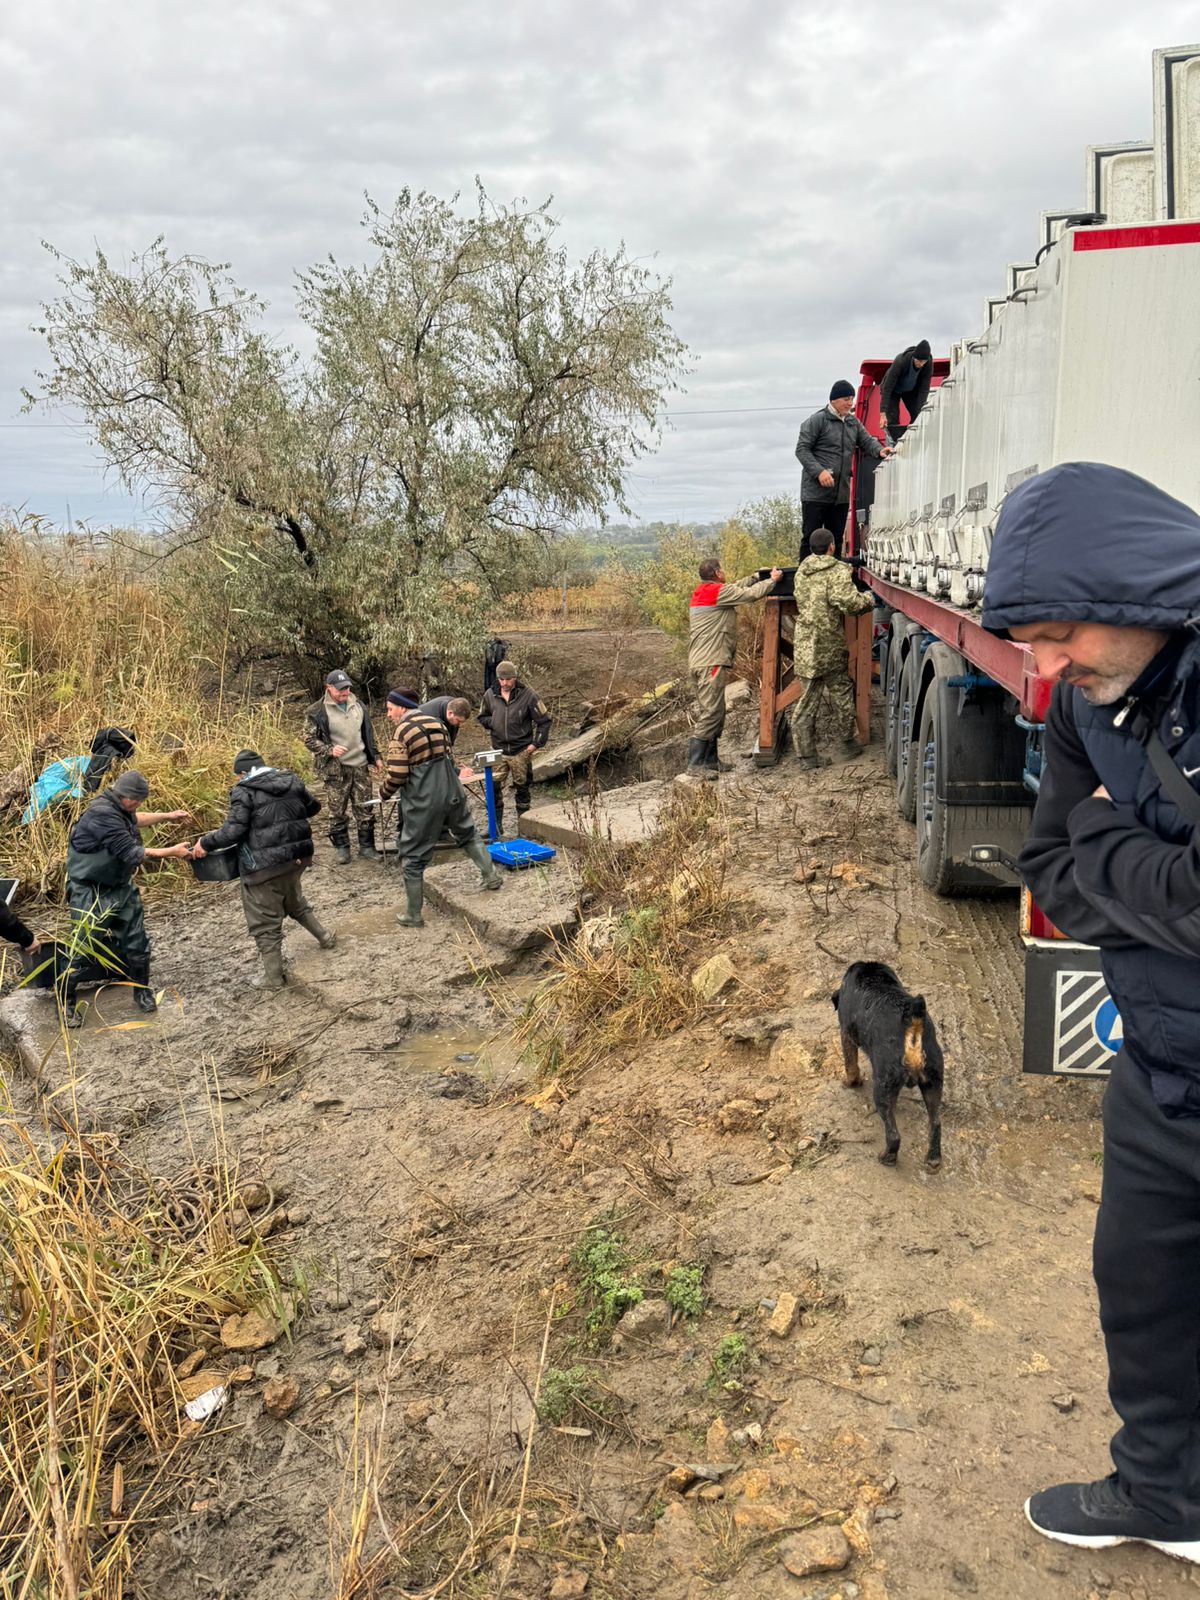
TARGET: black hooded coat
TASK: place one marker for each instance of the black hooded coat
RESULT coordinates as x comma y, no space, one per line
1090,543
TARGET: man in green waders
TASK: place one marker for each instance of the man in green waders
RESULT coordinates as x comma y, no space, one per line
420,763
103,853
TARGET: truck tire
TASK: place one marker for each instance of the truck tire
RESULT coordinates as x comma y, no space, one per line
891,687
945,833
907,759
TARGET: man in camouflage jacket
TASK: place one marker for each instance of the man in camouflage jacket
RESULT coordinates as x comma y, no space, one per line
825,594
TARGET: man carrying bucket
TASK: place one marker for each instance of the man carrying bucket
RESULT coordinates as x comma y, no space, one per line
419,763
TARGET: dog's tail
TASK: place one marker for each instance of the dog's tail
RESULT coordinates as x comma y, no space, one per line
914,1035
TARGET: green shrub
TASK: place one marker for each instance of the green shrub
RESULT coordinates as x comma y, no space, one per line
601,1264
728,1361
683,1292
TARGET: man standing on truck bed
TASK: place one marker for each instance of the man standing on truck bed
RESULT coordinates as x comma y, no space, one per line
712,646
908,379
517,723
1113,857
825,596
825,449
337,729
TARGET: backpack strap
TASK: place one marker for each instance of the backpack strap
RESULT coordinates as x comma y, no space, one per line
1173,782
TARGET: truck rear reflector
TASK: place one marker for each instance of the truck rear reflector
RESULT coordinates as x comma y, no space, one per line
1142,237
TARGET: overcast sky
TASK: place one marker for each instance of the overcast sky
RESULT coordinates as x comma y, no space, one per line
823,180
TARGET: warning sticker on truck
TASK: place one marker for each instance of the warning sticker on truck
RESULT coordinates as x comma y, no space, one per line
1072,1025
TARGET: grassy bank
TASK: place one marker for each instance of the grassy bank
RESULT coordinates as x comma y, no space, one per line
91,636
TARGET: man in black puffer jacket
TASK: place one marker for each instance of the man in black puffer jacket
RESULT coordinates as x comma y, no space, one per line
268,822
1098,572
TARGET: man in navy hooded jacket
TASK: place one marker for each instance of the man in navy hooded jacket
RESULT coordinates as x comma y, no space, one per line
1098,572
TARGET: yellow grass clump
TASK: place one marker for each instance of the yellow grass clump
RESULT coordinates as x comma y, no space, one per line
113,1291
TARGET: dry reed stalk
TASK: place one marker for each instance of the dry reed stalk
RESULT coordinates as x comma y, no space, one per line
110,1278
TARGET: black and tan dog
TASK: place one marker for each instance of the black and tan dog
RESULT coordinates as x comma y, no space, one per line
877,1014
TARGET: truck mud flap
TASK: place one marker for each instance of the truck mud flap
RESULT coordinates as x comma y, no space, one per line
1072,1026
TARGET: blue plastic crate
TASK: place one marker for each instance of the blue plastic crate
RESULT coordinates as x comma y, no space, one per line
516,853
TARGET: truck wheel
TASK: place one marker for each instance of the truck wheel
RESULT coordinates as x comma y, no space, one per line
945,833
933,815
907,759
891,688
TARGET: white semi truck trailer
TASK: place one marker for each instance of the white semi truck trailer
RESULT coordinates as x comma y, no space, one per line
1090,352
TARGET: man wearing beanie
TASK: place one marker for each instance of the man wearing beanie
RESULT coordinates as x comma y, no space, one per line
337,729
420,766
268,823
104,850
518,723
825,449
908,379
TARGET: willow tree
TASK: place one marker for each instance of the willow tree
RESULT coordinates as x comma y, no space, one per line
466,391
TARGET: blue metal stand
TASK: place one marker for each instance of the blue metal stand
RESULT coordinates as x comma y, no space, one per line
489,790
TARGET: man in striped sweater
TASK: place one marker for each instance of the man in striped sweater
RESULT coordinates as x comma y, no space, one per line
419,763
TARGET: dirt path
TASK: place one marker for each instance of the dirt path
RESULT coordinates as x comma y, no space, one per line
947,1359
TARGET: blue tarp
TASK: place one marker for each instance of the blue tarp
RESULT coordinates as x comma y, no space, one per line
61,780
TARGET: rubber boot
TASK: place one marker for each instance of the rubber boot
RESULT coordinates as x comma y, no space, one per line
272,978
414,896
143,995
324,937
811,763
851,749
341,846
712,760
477,852
696,771
366,843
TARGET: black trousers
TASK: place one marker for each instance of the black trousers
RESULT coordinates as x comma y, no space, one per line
1146,1259
822,514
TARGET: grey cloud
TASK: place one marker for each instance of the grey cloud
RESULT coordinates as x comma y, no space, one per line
823,183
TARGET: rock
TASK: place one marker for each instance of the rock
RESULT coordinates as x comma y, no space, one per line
785,1315
339,1375
684,886
201,1382
280,1397
1063,1402
353,1344
872,1356
756,1030
297,1216
387,1329
711,1491
738,1116
822,1549
716,1441
268,1367
754,1432
337,1300
760,1517
569,1585
644,1320
250,1330
679,1480
253,1194
189,1364
417,1412
714,977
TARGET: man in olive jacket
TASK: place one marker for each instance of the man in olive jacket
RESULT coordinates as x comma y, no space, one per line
337,729
712,647
825,449
268,822
825,594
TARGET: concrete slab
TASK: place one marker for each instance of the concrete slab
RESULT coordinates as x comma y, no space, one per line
535,905
620,817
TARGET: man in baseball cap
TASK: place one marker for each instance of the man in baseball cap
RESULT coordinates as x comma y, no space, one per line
337,729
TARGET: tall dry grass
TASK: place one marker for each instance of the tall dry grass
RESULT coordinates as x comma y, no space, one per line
91,635
114,1287
626,976
609,602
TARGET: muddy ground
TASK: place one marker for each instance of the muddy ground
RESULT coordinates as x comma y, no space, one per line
947,1360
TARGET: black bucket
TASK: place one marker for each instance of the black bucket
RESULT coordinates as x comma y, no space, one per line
786,585
222,866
